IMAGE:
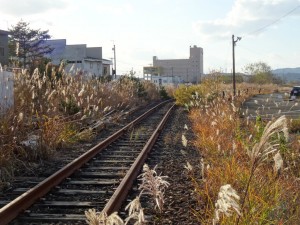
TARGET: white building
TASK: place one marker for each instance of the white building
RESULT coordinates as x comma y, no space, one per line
87,60
166,71
164,80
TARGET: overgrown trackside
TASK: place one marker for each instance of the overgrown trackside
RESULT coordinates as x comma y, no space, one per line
51,112
250,169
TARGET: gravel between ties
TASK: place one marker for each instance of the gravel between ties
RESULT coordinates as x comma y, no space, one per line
171,157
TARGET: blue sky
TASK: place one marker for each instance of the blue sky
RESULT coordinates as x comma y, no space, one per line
142,29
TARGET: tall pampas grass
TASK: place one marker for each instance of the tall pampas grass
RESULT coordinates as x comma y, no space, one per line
153,185
267,146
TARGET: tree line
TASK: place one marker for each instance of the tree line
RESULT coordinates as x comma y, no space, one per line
258,73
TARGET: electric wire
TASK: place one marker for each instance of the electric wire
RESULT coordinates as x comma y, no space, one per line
261,29
273,22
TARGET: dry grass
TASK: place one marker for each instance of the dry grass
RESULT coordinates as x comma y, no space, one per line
50,109
267,195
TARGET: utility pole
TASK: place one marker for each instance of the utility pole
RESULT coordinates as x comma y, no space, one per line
233,62
115,69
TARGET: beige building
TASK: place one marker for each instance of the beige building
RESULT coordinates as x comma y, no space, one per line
79,58
174,71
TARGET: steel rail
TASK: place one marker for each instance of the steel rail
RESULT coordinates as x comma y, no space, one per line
120,194
24,201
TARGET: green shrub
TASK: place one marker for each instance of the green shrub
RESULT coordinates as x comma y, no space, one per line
69,107
163,93
184,94
294,125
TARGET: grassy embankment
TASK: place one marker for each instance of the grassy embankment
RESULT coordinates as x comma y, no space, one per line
250,169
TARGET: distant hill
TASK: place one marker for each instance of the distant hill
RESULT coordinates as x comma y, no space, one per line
288,74
287,70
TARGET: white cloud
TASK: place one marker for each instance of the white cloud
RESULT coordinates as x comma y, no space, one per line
247,17
29,7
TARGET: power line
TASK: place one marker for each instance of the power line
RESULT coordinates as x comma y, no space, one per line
273,22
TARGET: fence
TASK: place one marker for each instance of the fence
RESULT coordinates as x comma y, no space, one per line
6,90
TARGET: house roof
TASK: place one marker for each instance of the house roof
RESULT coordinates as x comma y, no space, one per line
107,62
4,32
92,59
104,61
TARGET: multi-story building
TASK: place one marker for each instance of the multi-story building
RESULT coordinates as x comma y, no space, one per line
3,47
87,60
174,71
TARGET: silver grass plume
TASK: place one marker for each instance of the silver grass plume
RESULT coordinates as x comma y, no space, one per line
135,212
227,203
278,163
188,166
266,146
20,117
185,127
184,140
101,218
81,92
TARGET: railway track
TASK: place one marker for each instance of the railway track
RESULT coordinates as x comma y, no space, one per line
100,178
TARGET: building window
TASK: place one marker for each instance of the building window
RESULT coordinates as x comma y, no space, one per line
72,61
105,71
1,51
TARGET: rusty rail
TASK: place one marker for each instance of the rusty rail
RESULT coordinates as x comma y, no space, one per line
24,201
121,192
